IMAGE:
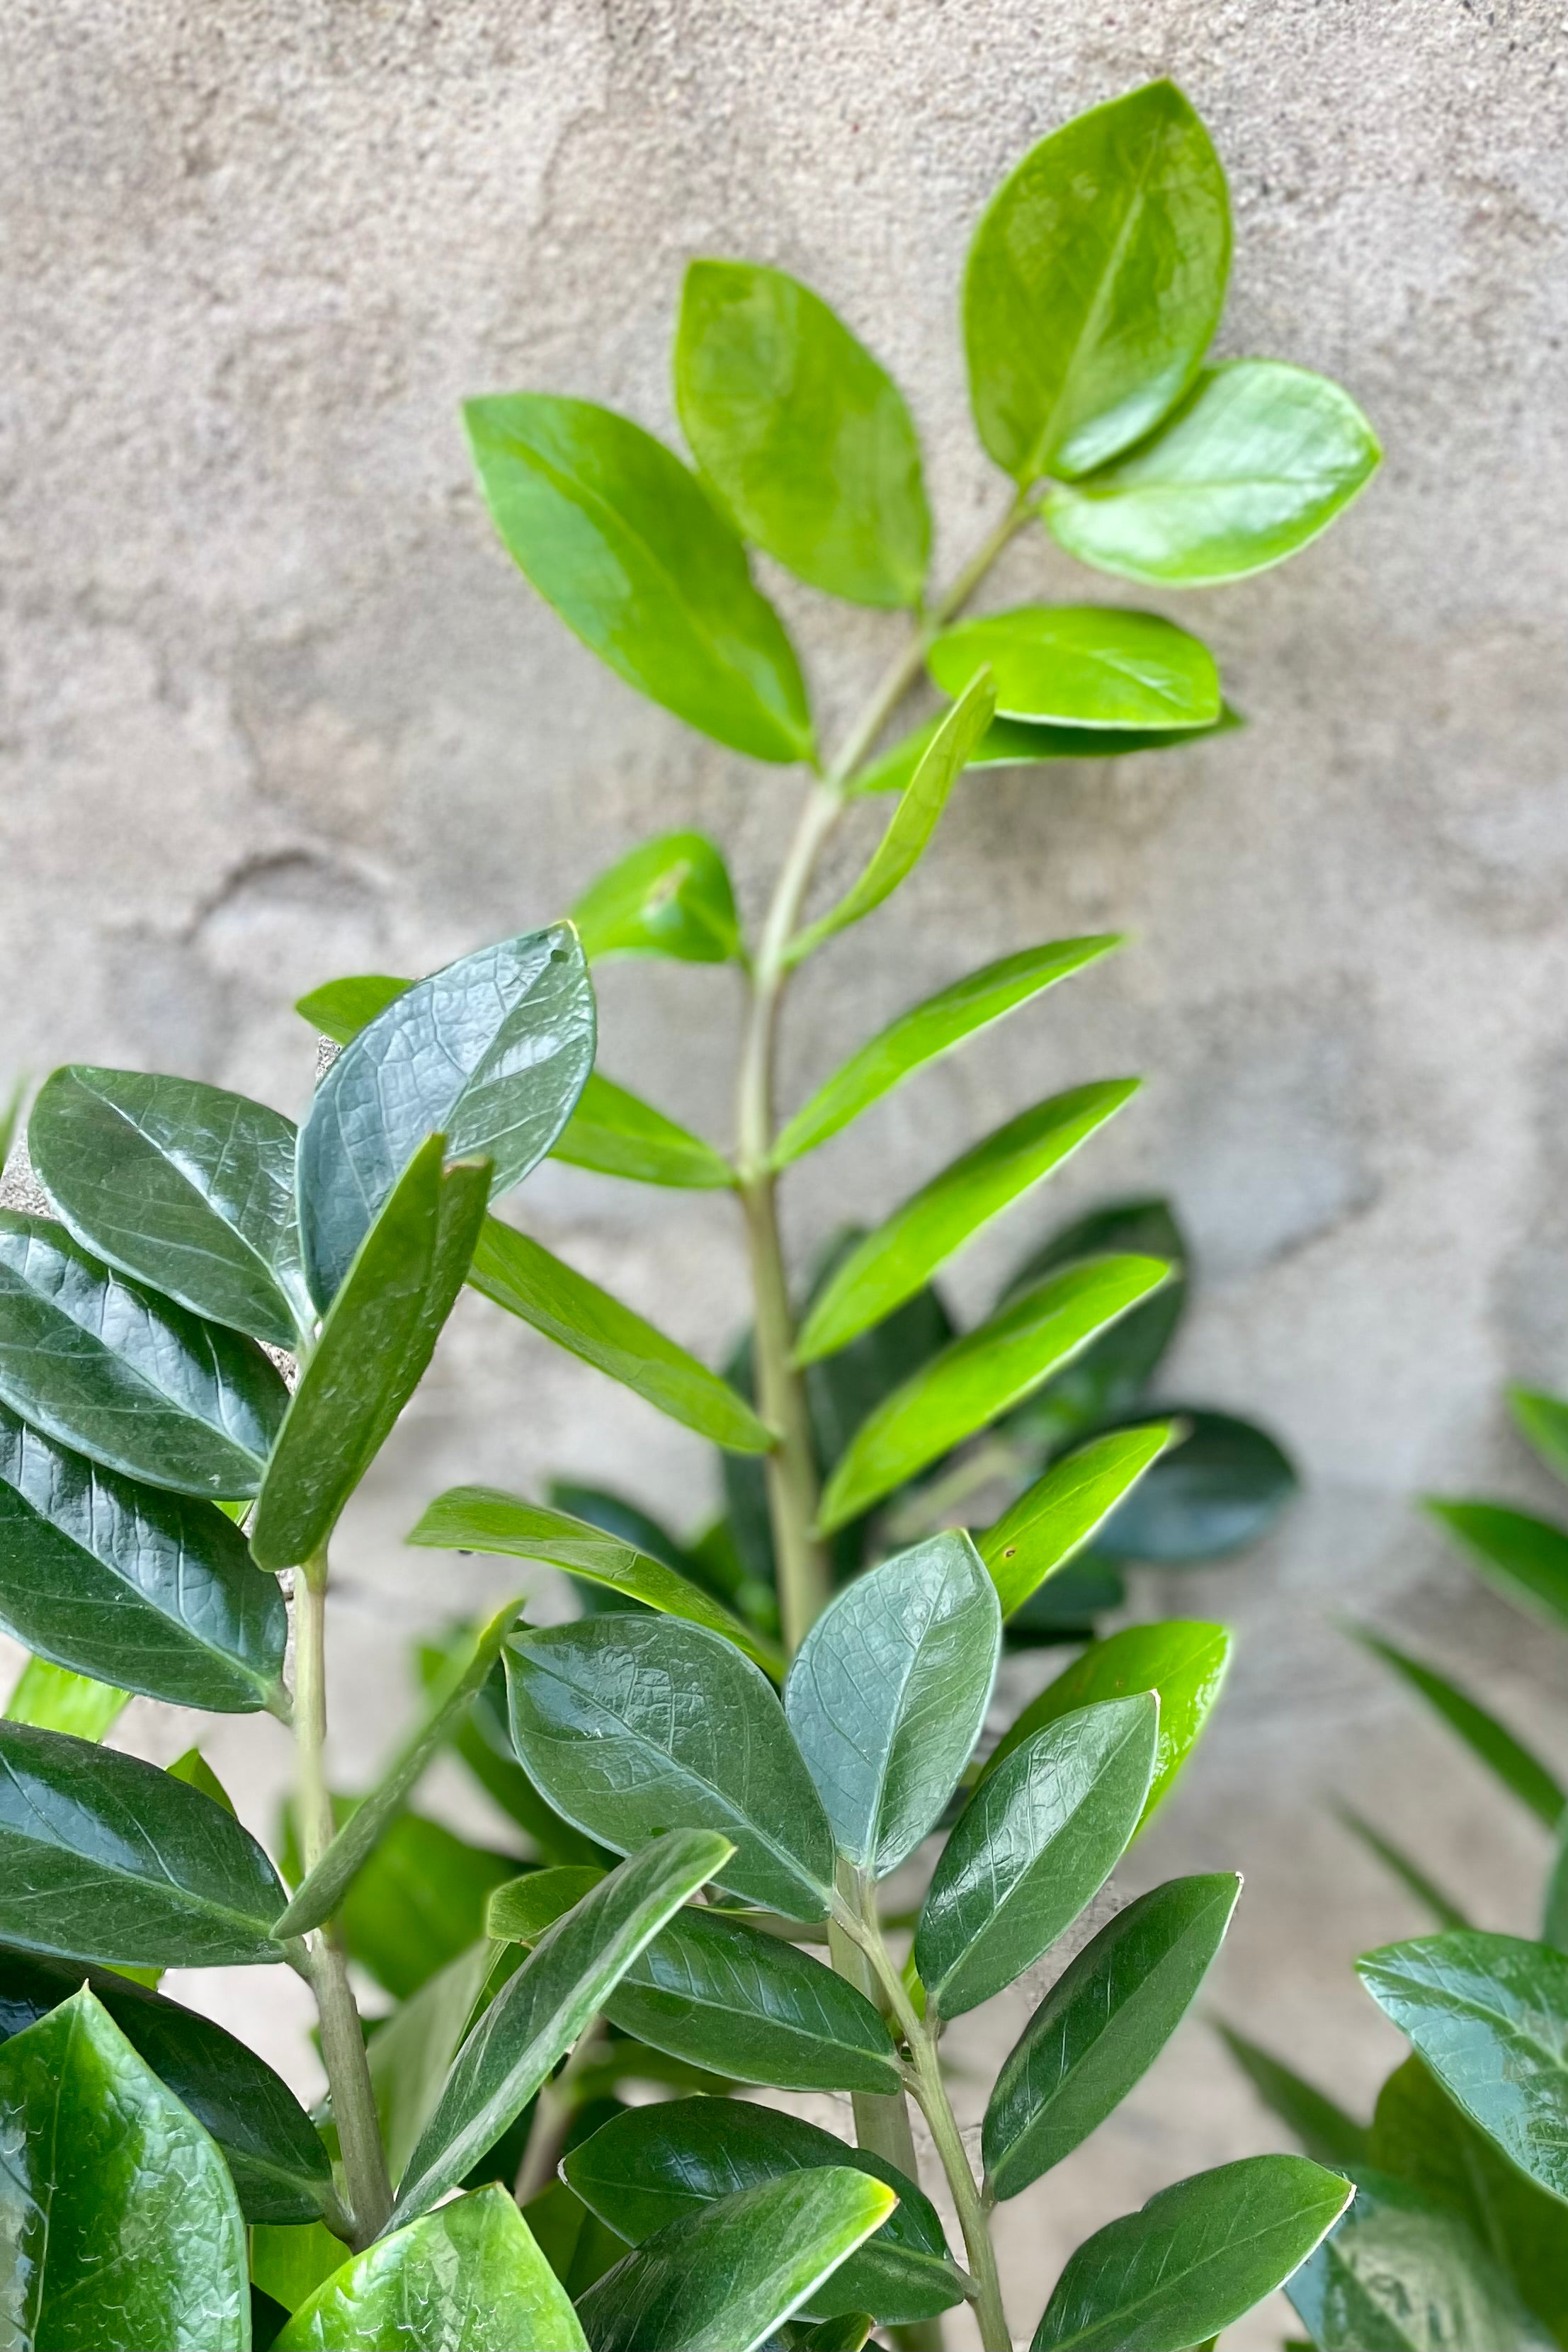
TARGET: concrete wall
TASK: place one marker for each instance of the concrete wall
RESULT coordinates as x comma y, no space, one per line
277,707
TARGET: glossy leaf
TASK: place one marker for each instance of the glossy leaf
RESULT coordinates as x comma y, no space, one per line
184,1186
123,2222
538,2013
467,2279
1526,1559
891,1264
486,1519
340,1009
670,896
1401,2274
732,2273
1106,1382
653,2165
194,1770
1542,1421
1257,460
529,1281
1490,1741
1029,743
626,544
619,1135
1193,2259
913,821
806,438
287,2265
411,2054
379,1335
1094,285
521,1910
1182,1660
144,1591
115,1373
491,1052
271,2145
1101,2026
46,1696
1083,665
632,1725
1035,1843
483,1742
986,1373
1489,2016
1223,1487
1444,1910
1053,1519
105,1858
1327,2133
928,1031
888,1693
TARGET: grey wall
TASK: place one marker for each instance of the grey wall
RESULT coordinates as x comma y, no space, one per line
276,708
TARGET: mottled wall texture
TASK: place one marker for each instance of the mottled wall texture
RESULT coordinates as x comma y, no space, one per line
275,707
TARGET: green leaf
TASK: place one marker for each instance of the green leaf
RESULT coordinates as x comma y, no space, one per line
1489,2016
289,2264
619,1135
1053,1519
411,2054
1257,460
55,1701
483,1740
379,1335
1094,285
1028,743
129,1380
1526,1559
467,2279
492,1052
632,1725
1220,1489
418,1902
194,1770
806,438
670,896
269,2142
1400,2274
615,533
144,1590
1035,1842
105,1858
1327,2134
1542,1421
340,1009
1409,1874
538,2013
1193,2259
521,1910
986,1373
526,1279
323,1889
574,2243
653,2165
1083,665
1489,1740
888,1693
1555,1921
913,821
184,1186
1106,1382
484,1518
891,1264
122,2223
1101,2026
730,2274
1181,1659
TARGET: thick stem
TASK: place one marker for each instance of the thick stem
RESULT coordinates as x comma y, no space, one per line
343,2036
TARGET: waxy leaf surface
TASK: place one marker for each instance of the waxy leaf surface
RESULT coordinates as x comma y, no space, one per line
1083,665
1053,1519
1400,2273
671,896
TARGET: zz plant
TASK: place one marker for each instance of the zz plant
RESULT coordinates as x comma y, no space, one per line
212,1326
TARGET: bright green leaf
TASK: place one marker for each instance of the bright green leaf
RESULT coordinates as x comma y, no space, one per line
194,1770
1053,1519
1028,743
1223,1487
1327,2133
1107,1381
1083,665
289,2264
1525,1557
1543,1421
619,1135
521,1910
670,896
54,1700
340,1009
1400,2273
1491,1742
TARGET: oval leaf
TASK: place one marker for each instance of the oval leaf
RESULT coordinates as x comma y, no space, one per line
619,1135
1221,1488
1525,1557
1053,1519
670,896
1401,2273
1029,743
340,1009
1083,665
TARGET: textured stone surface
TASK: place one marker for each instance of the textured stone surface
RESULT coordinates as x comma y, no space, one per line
276,708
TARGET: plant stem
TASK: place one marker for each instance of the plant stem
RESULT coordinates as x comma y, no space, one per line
343,2036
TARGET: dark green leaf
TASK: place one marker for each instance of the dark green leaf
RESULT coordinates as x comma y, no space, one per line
1107,1380
340,1009
194,1770
1327,2134
653,2165
670,896
1054,1518
1094,285
1401,2274
113,1370
1193,2259
491,1052
411,2054
930,1030
1066,1609
573,2242
731,2274
1035,1842
144,1590
186,1186
54,1700
616,534
540,2012
806,438
1083,665
483,1740
887,1692
105,1858
379,1335
619,1135
1543,1421
1221,1488
1101,2026
1027,744
524,1277
122,2221
1409,1874
467,2279
1525,1557
632,1725
984,1373
1490,1741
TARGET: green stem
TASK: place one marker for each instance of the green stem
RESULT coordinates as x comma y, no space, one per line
343,2036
